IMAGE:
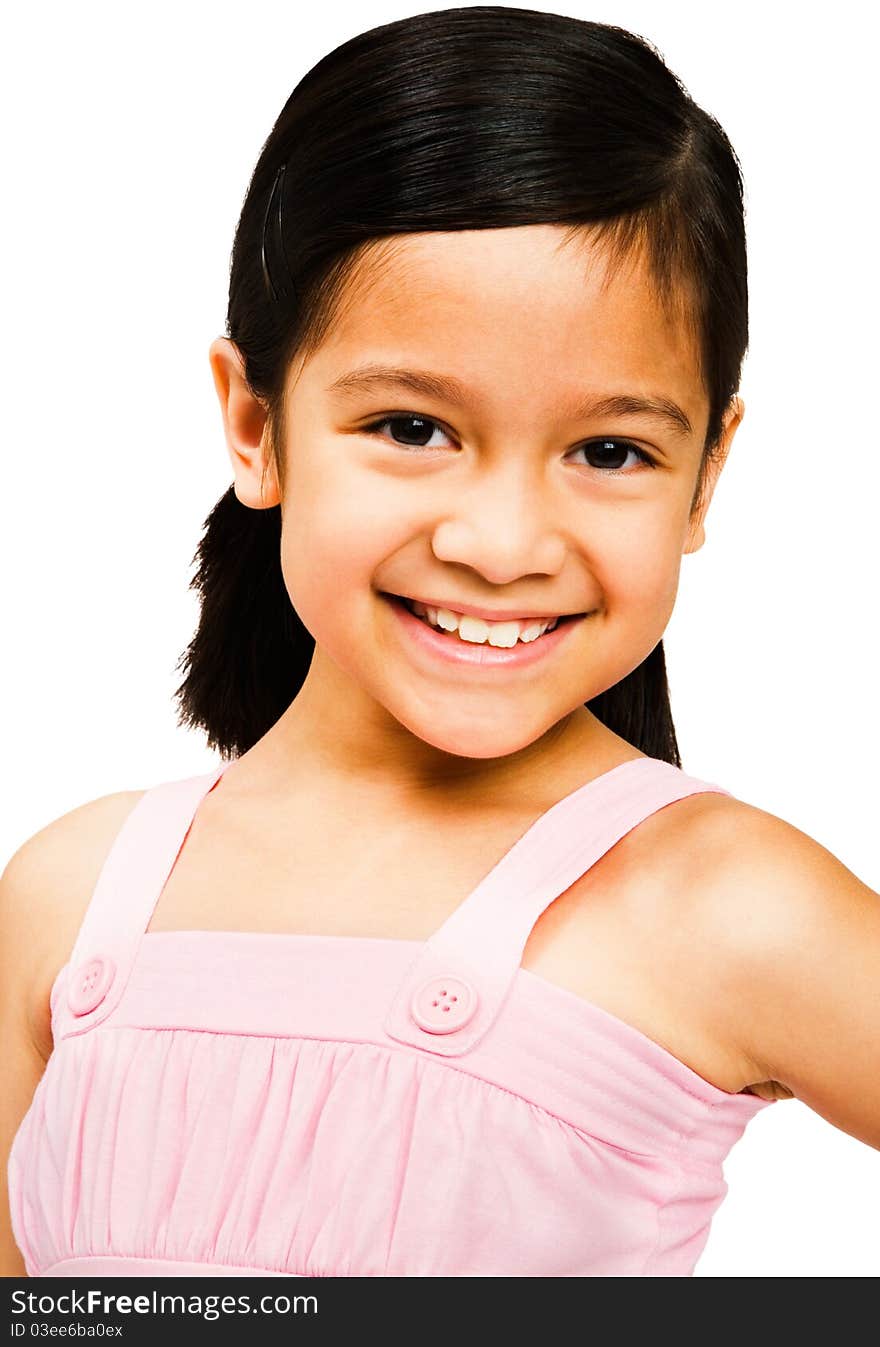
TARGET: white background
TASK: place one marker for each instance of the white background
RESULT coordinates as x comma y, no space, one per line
130,135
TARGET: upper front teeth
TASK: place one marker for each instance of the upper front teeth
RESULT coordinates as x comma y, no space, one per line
478,631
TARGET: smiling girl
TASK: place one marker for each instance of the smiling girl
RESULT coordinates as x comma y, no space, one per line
448,968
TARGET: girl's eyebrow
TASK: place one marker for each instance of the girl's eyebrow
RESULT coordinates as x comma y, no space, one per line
366,377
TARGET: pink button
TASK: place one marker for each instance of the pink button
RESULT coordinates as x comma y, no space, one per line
443,1004
90,983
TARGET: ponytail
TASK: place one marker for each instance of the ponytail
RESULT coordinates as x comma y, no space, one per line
250,653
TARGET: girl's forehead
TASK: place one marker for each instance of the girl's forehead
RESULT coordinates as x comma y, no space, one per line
535,265
517,302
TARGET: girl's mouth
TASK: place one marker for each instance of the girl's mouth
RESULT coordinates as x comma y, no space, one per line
469,644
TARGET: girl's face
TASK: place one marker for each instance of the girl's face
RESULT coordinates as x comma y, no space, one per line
486,475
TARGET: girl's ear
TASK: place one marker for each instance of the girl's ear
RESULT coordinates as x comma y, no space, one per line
696,533
245,426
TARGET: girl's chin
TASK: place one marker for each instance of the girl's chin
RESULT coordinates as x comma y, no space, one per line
453,727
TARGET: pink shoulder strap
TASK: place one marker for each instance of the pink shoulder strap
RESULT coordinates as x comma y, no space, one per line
131,878
457,984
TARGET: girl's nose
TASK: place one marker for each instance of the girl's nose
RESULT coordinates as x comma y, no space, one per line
501,526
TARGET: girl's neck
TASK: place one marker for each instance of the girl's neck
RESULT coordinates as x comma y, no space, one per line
304,750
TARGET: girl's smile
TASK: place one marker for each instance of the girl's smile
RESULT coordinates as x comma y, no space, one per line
472,651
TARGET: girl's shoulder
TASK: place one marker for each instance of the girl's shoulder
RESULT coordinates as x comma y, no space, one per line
747,877
44,892
795,942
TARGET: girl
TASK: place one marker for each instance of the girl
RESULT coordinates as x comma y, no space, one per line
448,967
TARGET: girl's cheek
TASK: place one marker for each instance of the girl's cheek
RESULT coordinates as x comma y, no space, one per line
329,556
344,494
640,556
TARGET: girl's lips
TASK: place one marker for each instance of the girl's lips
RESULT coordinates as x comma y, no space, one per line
437,645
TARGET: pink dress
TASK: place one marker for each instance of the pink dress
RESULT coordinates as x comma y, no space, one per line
314,1106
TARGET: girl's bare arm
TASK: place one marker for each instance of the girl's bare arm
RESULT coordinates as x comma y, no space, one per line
44,891
23,1063
802,933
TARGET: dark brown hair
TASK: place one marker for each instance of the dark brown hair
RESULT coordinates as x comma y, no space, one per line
472,118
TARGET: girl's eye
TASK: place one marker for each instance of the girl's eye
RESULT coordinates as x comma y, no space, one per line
608,454
416,430
612,453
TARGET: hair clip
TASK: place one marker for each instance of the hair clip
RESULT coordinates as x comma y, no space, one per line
277,243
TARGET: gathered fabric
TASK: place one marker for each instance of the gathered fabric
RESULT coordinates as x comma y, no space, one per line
244,1103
